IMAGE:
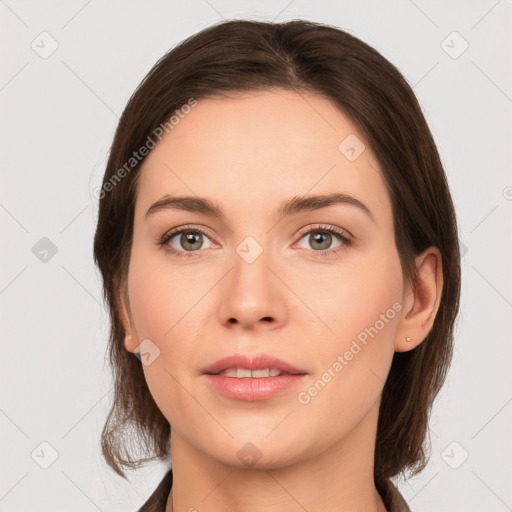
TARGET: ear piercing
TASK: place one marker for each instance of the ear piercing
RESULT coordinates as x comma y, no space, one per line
408,339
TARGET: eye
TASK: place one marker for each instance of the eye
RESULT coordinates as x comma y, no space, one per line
320,238
187,240
183,240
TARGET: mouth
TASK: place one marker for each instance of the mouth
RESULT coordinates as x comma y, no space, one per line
252,377
252,366
246,373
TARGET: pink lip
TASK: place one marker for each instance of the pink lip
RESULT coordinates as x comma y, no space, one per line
251,362
252,389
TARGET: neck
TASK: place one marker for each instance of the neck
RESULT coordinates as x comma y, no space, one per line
340,478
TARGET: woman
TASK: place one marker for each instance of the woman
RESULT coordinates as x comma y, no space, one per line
279,250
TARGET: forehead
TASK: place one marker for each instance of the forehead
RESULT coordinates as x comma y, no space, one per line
257,149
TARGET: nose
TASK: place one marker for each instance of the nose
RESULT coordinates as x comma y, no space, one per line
252,295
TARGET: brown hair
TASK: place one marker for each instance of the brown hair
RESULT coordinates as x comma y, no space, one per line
242,56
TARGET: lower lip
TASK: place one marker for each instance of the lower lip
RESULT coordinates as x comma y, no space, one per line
253,389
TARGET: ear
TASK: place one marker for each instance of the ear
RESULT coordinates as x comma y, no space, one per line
420,301
131,339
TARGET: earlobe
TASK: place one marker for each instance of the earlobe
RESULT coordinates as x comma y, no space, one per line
131,338
128,343
421,301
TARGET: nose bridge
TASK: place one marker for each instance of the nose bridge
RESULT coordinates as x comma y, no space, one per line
251,293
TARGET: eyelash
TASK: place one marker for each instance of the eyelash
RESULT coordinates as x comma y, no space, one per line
340,234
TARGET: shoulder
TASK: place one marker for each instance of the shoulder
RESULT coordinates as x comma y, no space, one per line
391,496
158,500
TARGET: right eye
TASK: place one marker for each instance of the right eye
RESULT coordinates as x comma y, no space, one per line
183,240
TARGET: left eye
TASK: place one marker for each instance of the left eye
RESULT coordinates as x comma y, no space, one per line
320,239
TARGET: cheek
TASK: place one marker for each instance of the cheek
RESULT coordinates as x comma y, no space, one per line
342,302
149,303
358,308
157,297
162,307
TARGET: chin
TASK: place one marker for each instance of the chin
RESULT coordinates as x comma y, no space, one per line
259,452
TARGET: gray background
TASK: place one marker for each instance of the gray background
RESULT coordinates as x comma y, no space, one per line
58,115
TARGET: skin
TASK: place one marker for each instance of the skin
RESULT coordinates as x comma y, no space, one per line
248,154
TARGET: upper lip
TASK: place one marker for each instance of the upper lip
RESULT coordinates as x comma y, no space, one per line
251,362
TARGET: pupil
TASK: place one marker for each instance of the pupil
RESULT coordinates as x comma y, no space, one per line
189,239
318,238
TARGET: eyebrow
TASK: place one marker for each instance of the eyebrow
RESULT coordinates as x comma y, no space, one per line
289,207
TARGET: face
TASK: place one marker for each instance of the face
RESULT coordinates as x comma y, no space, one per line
320,287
